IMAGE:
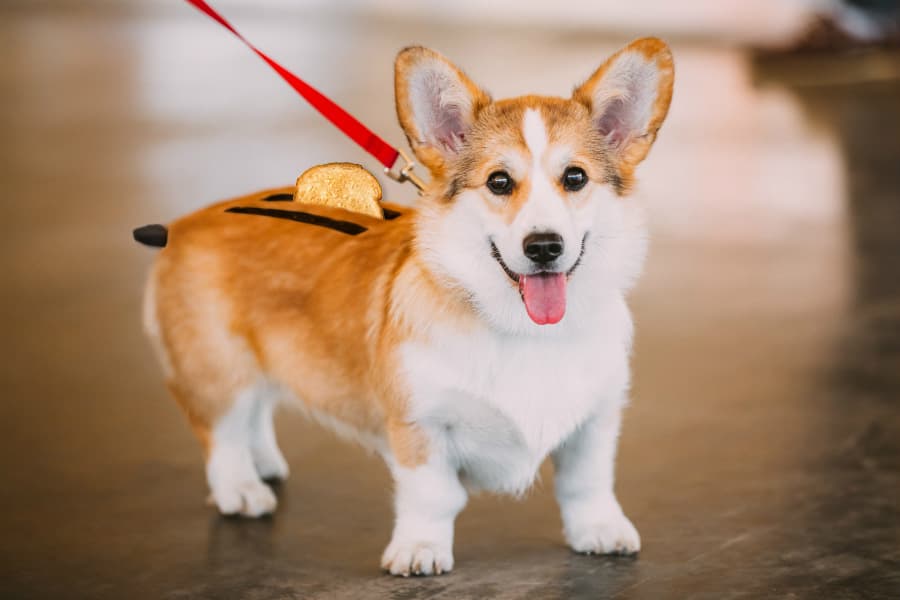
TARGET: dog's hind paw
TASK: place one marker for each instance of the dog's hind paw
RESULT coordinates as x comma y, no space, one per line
417,558
615,535
270,465
248,499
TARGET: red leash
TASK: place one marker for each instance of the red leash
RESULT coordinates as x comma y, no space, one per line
356,131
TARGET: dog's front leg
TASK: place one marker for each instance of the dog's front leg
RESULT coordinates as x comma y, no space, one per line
592,518
427,498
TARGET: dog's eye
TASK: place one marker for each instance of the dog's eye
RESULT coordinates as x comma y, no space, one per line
500,183
574,179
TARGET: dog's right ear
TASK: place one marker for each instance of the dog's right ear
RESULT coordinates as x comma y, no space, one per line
436,105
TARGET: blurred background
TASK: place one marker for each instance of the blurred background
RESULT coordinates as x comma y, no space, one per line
760,457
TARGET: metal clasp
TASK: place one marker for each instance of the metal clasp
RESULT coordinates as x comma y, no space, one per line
405,173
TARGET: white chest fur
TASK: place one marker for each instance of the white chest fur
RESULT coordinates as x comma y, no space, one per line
498,404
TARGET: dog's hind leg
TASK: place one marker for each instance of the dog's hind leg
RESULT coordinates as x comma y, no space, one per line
237,438
215,377
267,458
239,445
235,454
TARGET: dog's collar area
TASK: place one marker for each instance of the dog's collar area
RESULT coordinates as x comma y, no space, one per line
495,252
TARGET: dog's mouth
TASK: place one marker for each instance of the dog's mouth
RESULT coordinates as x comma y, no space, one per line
542,292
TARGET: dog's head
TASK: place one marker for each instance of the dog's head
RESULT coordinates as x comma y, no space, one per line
526,197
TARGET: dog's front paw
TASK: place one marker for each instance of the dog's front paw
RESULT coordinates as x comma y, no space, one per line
613,534
409,557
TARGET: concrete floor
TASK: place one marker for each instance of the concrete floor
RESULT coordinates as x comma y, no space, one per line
760,457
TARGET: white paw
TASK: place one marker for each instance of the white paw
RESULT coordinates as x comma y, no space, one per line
270,464
417,558
613,534
249,498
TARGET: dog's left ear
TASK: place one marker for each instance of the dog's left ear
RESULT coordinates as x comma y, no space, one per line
628,97
436,104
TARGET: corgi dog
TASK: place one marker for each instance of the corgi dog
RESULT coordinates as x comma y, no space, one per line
464,341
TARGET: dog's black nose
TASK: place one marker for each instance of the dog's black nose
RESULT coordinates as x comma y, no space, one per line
543,248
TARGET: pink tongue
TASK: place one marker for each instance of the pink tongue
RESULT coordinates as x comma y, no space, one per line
544,296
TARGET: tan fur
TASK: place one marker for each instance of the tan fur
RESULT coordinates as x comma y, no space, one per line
238,297
318,310
499,130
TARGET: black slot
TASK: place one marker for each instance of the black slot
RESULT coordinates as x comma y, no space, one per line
282,197
301,217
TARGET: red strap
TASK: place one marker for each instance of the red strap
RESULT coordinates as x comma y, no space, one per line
359,133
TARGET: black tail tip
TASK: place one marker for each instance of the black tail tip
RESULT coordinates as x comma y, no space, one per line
152,235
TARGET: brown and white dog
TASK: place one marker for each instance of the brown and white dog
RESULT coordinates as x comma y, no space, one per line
464,341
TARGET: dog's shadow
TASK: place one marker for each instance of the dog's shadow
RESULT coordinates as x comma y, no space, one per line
234,538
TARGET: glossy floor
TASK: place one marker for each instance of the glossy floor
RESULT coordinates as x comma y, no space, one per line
760,457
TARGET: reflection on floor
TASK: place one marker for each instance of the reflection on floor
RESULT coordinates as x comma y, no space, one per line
761,454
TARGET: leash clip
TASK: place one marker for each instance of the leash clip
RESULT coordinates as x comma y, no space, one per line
405,173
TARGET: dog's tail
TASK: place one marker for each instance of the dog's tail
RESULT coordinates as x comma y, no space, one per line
152,235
